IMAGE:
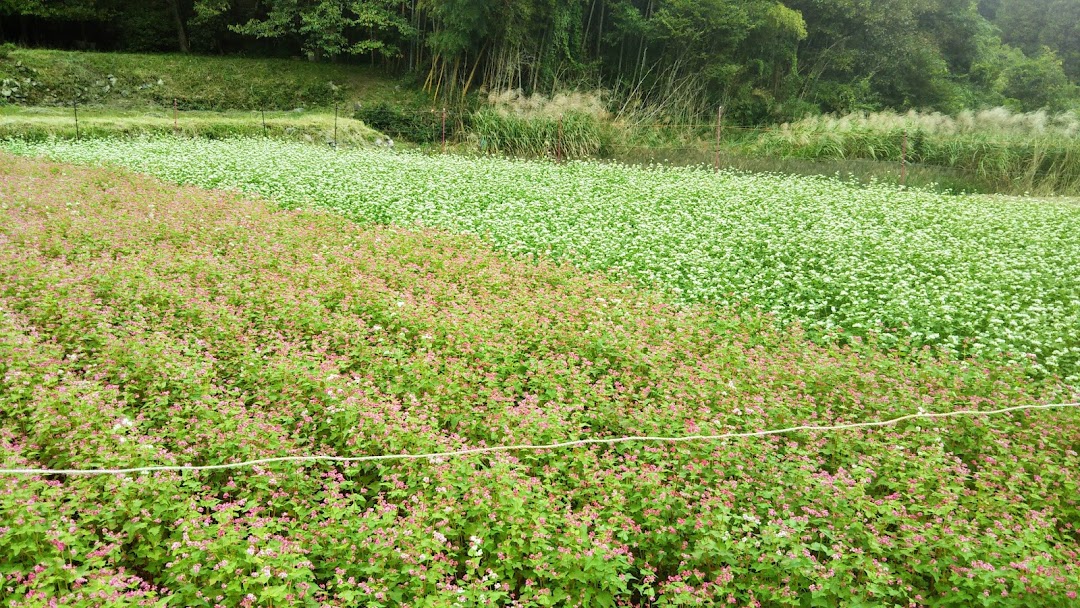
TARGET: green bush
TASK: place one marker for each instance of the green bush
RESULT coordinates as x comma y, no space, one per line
407,123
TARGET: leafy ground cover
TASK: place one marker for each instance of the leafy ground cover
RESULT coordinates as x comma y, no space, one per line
970,276
142,323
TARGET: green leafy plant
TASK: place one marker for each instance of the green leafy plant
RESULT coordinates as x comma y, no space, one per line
144,323
407,123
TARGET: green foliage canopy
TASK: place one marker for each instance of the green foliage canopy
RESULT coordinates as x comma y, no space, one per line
762,60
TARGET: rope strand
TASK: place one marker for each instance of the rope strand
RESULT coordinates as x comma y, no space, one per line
531,447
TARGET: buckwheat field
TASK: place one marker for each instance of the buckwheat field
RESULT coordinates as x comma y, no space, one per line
253,299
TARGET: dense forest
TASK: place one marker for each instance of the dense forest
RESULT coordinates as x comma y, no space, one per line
763,60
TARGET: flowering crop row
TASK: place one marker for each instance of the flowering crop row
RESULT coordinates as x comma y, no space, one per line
142,323
971,276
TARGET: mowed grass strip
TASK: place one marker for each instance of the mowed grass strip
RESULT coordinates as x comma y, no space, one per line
322,128
142,323
971,276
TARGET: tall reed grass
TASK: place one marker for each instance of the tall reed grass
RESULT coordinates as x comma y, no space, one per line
1036,153
571,135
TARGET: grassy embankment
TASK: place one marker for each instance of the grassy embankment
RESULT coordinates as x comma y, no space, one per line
127,94
139,81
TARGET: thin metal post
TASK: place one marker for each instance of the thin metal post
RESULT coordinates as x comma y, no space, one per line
335,123
175,118
558,142
75,106
719,127
262,112
444,130
903,160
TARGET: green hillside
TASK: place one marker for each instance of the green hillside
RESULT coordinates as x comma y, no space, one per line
128,80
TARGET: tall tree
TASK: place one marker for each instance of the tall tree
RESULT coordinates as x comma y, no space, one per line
178,19
1062,34
52,11
332,28
860,54
1032,25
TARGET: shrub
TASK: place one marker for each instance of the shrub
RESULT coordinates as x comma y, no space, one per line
407,123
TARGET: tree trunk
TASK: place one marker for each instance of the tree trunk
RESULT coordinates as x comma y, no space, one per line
588,28
181,34
600,31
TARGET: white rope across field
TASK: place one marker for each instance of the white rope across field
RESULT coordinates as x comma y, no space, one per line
524,447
